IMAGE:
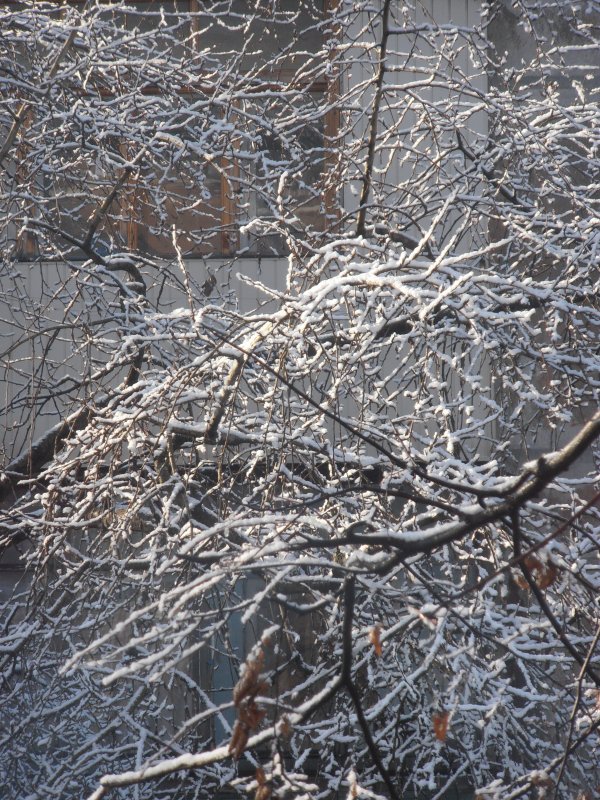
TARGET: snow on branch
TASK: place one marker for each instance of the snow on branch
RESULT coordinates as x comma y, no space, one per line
299,333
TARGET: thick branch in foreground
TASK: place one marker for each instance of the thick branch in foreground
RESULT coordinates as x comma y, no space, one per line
533,480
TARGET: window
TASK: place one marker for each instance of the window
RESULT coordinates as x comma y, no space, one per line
224,153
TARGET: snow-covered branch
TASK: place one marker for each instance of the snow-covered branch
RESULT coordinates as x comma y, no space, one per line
299,330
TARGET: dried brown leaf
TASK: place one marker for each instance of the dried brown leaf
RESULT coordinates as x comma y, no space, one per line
249,684
285,727
263,790
440,721
544,573
245,691
239,740
547,576
250,715
375,639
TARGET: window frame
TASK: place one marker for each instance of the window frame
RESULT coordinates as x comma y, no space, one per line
228,240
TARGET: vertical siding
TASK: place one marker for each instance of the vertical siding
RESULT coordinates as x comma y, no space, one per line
403,153
407,56
54,298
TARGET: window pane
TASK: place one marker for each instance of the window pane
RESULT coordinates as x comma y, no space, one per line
286,171
69,202
150,15
167,22
274,36
189,207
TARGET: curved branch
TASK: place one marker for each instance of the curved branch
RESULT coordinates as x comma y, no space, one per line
190,761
